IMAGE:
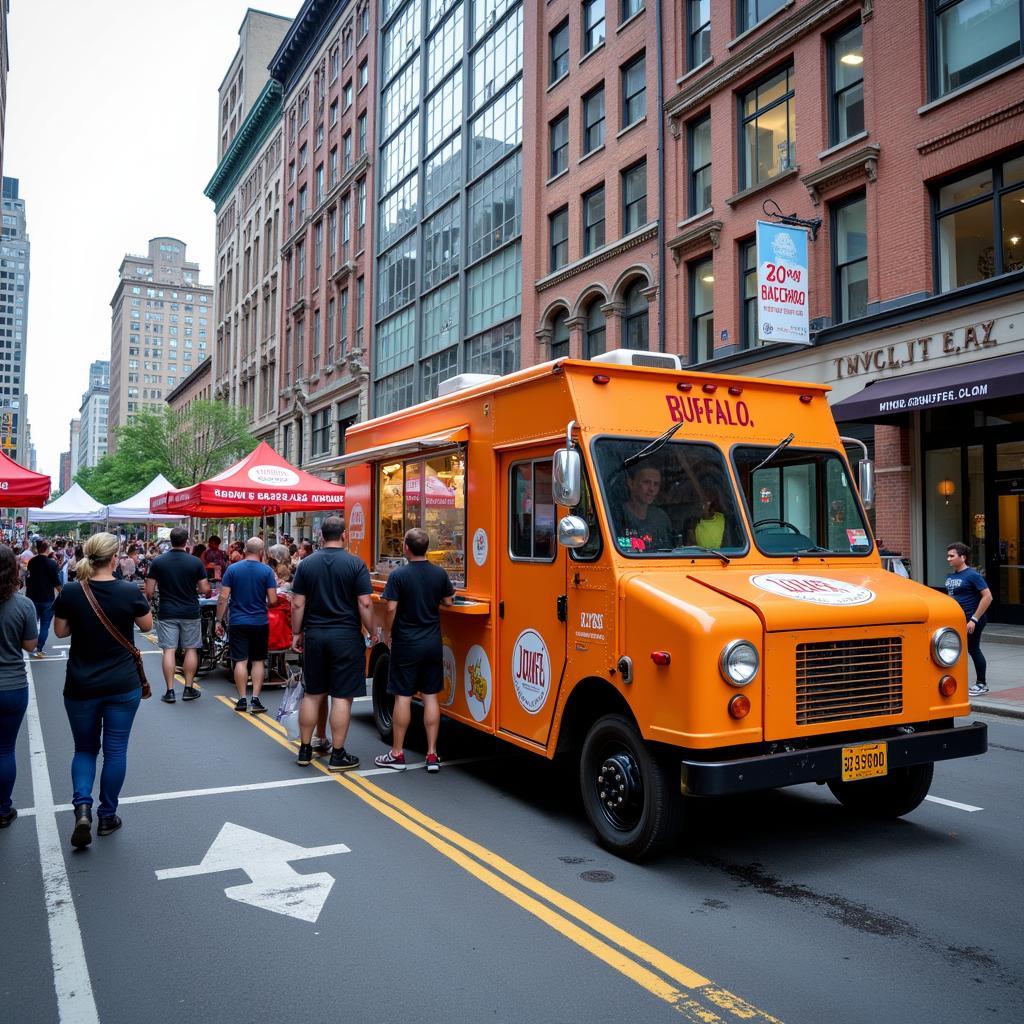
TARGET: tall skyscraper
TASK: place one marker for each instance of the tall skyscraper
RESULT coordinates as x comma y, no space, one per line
92,442
4,66
159,325
14,282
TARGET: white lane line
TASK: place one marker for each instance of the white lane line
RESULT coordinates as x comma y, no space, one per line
953,803
75,1002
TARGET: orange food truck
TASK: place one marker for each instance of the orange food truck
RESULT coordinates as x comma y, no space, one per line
669,575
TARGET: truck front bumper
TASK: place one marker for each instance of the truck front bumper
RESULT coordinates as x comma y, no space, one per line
824,763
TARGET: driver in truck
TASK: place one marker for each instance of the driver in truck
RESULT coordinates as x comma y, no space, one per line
643,526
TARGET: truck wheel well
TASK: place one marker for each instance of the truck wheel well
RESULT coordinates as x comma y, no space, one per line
590,700
378,651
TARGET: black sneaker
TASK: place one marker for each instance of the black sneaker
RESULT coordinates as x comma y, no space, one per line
342,761
190,693
82,835
108,824
240,704
168,697
321,747
256,707
305,754
6,819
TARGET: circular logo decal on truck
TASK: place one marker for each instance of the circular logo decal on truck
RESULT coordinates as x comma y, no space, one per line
447,696
813,589
477,682
531,670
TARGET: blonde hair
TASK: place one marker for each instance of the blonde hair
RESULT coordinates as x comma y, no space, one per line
97,551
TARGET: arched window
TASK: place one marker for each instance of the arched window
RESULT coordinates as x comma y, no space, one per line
593,340
560,335
636,329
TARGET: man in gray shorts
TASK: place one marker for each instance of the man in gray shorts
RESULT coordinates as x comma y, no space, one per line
181,578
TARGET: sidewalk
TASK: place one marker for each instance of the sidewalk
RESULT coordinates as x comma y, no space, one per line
1003,647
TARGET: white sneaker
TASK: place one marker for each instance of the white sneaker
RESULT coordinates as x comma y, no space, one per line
977,689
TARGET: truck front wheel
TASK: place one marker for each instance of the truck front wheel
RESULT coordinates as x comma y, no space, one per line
383,702
896,794
631,797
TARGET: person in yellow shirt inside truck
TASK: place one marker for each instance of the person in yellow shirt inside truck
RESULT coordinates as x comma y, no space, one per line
709,530
642,525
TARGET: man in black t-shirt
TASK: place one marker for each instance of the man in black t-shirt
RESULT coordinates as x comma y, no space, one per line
414,594
42,587
331,606
181,578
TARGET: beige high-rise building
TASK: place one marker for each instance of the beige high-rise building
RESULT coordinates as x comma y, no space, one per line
159,330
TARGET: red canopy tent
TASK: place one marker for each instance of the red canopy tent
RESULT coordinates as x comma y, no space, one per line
20,487
262,483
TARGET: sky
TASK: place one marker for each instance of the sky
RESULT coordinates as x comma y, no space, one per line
112,131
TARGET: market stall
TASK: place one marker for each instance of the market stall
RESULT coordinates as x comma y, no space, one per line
136,508
20,487
75,505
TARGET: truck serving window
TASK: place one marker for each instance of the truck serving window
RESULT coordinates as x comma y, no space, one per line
429,493
801,502
677,501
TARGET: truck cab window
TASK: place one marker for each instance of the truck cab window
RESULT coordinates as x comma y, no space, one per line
587,511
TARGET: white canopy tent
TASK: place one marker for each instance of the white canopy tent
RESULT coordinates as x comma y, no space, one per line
136,508
73,506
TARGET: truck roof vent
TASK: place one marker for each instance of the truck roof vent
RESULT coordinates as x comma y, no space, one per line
461,381
632,357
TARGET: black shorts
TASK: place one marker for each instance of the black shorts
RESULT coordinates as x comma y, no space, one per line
333,664
413,672
248,643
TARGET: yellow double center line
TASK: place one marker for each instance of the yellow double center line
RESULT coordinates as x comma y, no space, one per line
699,1000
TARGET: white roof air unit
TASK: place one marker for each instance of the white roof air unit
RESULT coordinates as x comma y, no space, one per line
461,381
633,357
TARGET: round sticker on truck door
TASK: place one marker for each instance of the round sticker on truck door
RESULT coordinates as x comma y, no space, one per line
813,589
531,670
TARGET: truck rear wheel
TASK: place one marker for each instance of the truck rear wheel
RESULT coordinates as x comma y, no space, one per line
896,794
631,797
383,702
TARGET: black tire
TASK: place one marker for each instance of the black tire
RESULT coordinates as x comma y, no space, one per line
646,814
898,793
383,702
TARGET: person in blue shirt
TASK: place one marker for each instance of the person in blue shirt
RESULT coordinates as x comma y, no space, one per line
968,588
247,589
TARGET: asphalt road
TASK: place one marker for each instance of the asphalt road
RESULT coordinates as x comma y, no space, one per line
479,894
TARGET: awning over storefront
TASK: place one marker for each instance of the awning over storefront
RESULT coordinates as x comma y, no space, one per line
395,450
965,383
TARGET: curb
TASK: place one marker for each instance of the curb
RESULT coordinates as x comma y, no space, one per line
989,707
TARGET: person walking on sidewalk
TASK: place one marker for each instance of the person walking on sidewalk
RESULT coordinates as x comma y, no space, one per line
42,587
18,632
102,688
331,606
412,626
971,591
181,578
247,588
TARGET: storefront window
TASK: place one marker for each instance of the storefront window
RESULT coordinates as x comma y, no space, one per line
428,493
943,509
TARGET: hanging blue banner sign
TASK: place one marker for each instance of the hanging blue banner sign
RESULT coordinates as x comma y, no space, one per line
782,284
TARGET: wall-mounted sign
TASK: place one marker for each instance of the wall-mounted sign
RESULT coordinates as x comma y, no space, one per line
782,283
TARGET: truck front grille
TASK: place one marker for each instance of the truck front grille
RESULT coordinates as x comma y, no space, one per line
842,679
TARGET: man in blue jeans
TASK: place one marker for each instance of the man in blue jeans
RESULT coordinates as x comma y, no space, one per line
41,588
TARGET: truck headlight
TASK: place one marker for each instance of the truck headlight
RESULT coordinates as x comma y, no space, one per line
946,647
739,662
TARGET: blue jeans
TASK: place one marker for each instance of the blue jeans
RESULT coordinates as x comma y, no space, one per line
12,710
95,720
44,613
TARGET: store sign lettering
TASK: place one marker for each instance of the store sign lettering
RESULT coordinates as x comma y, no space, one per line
708,410
959,341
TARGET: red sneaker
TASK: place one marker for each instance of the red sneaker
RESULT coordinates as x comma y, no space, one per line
390,760
433,763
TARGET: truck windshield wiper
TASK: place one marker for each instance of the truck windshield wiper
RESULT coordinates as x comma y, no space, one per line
712,551
813,548
656,445
784,443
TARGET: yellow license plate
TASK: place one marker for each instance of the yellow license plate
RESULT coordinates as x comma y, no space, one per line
865,762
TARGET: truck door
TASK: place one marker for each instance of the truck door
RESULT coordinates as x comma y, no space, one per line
531,588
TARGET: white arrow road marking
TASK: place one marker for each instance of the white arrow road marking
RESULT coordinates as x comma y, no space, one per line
274,885
953,803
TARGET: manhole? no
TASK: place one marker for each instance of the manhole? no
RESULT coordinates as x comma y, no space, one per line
597,876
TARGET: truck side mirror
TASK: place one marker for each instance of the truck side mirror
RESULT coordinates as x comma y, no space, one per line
866,482
573,532
566,474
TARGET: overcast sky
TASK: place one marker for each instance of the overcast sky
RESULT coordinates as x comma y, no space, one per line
112,131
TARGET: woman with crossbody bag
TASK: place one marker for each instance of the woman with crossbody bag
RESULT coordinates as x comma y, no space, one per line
105,679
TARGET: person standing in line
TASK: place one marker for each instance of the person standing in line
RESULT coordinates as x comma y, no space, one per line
26,556
180,578
18,632
247,588
971,591
101,688
214,558
42,587
331,606
415,593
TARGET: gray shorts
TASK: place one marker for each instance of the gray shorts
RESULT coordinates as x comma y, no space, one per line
179,634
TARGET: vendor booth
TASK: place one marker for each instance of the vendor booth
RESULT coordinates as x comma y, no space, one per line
21,487
136,508
75,505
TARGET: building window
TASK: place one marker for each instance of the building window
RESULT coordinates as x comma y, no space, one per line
629,9
748,271
594,330
559,52
364,74
593,24
635,319
768,130
560,144
634,197
361,123
321,434
850,259
979,226
846,61
698,32
971,38
753,11
700,165
558,232
593,120
593,220
702,310
634,91
560,335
